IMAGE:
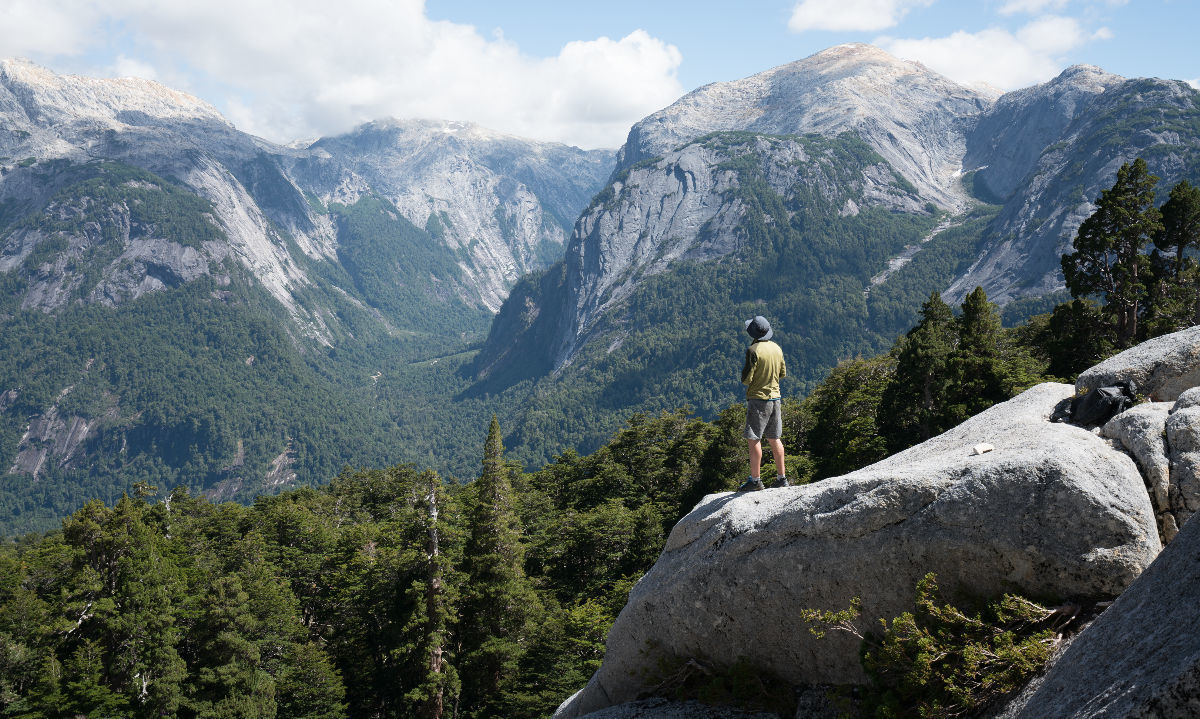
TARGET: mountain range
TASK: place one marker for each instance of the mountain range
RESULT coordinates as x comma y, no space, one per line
832,195
185,303
188,304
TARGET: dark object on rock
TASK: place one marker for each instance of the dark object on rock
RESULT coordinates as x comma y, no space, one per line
1097,406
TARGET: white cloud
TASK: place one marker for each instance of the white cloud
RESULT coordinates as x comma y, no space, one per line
1195,83
850,15
33,27
298,68
1032,7
124,66
1007,60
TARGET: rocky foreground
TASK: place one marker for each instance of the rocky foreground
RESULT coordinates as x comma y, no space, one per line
1051,510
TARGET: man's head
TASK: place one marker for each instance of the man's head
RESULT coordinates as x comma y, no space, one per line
759,328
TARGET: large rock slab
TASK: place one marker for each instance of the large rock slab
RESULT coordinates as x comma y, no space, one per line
1141,657
1054,511
1183,439
1161,368
1142,431
1164,438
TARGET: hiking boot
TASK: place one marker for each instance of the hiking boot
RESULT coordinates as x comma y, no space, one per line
780,482
751,485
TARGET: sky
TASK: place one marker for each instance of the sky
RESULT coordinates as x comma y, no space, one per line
559,70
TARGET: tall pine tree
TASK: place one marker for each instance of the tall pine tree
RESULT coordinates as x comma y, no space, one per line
1108,258
426,634
1176,296
497,599
979,366
914,406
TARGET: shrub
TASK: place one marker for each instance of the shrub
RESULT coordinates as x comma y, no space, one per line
942,660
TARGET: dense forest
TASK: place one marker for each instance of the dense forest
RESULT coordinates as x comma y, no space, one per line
209,384
395,593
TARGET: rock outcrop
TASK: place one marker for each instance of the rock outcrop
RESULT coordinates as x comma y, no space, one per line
1183,439
1140,658
1052,511
1160,369
1141,430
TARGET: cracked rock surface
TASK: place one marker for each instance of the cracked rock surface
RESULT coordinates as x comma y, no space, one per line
1183,438
1141,430
1053,511
1140,658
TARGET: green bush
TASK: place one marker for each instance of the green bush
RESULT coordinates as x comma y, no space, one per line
942,660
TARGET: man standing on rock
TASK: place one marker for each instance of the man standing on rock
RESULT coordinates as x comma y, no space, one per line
761,373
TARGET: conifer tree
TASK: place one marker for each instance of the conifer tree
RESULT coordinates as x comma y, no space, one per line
1180,223
1176,296
843,410
1073,337
979,365
497,599
87,691
431,676
914,406
228,680
1108,258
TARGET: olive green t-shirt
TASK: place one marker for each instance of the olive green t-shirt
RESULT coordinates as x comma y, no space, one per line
763,369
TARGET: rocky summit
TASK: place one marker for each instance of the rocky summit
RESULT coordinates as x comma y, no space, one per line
1006,501
915,118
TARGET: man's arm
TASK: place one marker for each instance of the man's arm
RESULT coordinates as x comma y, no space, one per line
748,365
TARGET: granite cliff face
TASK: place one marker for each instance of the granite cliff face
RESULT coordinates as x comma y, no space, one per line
1046,153
503,204
55,123
688,206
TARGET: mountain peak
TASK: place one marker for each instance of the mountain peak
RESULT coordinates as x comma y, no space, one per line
853,55
48,97
1086,77
908,113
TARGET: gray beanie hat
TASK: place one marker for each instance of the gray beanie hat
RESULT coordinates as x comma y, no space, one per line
759,328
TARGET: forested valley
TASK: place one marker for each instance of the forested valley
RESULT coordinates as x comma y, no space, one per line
395,593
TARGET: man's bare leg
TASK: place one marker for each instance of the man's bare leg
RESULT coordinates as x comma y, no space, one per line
755,456
776,445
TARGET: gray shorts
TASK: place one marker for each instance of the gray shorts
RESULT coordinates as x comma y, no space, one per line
764,419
